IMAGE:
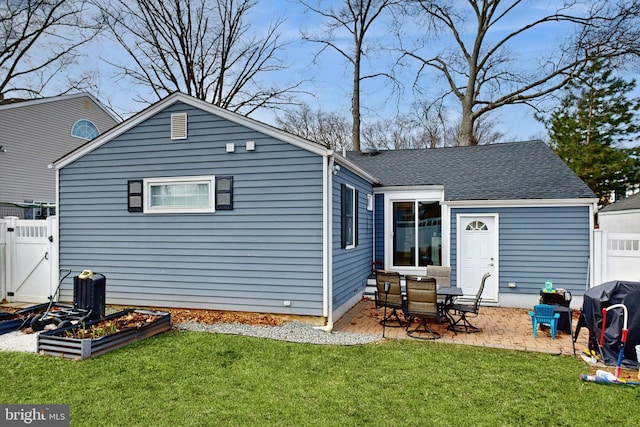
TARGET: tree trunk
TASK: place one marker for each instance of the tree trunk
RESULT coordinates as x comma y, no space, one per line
355,102
466,136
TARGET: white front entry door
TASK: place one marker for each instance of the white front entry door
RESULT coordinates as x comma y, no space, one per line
477,254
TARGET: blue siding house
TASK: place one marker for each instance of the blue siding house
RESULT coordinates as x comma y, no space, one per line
514,210
190,205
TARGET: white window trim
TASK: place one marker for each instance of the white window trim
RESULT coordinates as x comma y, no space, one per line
148,182
429,194
353,217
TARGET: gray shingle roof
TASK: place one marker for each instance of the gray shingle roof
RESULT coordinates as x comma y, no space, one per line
631,202
507,171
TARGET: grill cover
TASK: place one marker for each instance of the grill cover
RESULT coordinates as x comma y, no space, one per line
603,296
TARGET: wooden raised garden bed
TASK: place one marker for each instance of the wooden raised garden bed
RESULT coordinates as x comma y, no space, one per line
103,335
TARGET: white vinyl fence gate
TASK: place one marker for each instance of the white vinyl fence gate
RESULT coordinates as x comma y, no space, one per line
28,259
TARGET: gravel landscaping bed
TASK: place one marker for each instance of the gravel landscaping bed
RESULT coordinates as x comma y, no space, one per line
287,331
18,341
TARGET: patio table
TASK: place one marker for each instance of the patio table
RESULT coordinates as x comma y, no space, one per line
448,294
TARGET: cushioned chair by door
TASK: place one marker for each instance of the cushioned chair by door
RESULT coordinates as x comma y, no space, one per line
443,280
543,314
422,303
391,299
441,274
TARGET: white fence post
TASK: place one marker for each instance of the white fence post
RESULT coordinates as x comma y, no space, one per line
10,255
52,226
3,259
600,256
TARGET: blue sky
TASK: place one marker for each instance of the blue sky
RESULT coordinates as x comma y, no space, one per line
331,76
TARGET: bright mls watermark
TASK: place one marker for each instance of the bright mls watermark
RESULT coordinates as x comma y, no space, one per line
34,415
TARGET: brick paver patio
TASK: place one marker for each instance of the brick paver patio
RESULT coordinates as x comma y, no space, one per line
508,328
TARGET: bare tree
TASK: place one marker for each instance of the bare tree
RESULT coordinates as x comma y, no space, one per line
327,128
205,48
355,17
404,131
333,130
482,71
39,39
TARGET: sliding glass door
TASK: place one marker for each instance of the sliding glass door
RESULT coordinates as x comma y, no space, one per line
417,232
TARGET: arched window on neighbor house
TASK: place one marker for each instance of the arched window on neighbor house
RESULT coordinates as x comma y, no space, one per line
84,129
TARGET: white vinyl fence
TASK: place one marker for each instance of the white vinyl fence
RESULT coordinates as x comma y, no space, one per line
28,259
617,257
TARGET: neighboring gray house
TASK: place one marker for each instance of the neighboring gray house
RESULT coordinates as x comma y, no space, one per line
514,210
622,216
189,205
33,133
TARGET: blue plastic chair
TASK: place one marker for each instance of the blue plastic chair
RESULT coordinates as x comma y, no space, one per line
543,314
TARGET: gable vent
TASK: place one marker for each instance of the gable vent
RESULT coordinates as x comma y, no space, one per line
179,126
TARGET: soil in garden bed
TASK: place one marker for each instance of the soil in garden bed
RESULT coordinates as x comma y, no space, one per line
210,317
130,320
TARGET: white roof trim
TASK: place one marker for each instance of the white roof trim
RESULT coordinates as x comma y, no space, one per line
355,169
408,188
520,203
196,103
36,101
619,212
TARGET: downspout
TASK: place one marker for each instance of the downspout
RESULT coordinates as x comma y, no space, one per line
327,245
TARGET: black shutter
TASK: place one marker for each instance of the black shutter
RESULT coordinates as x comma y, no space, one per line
134,195
343,216
224,193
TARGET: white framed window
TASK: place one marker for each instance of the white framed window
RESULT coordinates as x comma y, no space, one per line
349,217
193,194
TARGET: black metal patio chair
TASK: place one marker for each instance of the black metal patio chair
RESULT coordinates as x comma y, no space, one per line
459,314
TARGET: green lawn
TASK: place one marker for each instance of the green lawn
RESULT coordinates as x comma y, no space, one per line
200,379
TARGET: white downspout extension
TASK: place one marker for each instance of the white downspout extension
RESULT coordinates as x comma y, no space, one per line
327,255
